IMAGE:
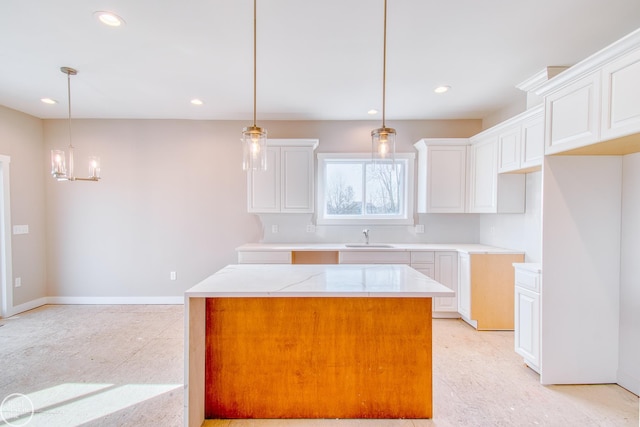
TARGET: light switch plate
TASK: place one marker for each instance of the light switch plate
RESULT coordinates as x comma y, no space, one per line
274,229
20,229
311,228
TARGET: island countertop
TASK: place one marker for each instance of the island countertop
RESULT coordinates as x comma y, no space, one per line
319,280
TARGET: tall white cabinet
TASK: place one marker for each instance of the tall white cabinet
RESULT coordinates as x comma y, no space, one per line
287,186
588,332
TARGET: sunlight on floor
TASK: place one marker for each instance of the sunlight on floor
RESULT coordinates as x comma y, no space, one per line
73,404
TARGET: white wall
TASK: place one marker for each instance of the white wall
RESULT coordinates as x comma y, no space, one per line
173,198
629,362
21,139
518,231
580,298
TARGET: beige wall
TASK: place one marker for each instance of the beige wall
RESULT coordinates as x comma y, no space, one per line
21,139
172,198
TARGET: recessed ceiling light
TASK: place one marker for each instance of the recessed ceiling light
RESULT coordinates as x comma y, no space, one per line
372,112
442,89
109,18
49,101
197,102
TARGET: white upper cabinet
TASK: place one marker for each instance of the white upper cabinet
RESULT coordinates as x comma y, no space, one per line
442,165
483,175
594,106
488,191
573,115
621,96
287,186
532,141
509,143
521,142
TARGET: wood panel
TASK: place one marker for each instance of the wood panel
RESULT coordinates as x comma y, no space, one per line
492,290
314,257
318,358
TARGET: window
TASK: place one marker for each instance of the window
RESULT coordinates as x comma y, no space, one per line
353,189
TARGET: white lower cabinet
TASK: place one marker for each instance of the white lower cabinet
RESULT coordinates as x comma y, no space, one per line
464,285
527,313
443,268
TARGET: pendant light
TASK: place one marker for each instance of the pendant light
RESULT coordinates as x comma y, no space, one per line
383,139
58,158
254,138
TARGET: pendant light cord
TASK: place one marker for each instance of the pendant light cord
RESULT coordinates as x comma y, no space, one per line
255,62
384,65
69,106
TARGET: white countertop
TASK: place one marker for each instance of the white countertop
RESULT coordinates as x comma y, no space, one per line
534,267
336,280
471,248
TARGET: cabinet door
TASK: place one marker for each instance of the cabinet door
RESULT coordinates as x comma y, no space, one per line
297,179
572,115
446,272
532,142
509,150
263,189
483,177
446,179
527,325
621,96
426,269
464,285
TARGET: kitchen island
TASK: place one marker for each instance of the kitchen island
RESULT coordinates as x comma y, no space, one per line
309,341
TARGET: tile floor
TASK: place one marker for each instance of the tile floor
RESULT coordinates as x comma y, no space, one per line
123,366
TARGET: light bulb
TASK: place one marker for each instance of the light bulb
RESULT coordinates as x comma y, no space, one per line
383,147
255,147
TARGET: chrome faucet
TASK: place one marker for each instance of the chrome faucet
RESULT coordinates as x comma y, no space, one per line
366,235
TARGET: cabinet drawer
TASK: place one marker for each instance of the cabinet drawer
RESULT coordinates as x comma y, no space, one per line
423,257
264,257
375,257
528,280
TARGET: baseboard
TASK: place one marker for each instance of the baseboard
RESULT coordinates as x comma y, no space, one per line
116,300
445,315
177,300
629,382
30,305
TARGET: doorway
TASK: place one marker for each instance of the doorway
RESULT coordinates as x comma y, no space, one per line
6,293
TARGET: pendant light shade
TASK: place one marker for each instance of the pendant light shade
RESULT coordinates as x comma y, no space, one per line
60,169
254,138
383,139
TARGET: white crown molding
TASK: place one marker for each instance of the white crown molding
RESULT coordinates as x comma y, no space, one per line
593,63
540,78
538,109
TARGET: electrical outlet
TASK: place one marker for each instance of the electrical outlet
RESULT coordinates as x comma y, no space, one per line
173,275
311,228
18,282
420,228
274,229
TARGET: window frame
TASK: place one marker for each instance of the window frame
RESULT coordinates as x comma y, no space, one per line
407,219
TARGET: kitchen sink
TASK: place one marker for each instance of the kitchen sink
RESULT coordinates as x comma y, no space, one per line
364,245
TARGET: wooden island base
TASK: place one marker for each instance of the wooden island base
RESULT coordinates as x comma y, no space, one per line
318,357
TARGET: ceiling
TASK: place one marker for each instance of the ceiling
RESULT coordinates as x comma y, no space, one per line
317,60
